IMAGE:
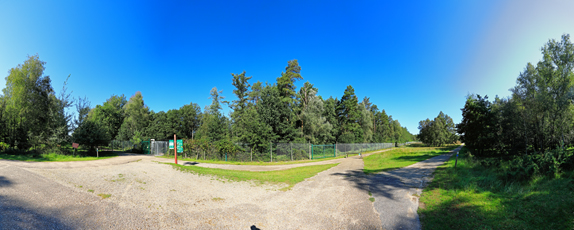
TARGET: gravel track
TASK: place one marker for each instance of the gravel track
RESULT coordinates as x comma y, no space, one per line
145,194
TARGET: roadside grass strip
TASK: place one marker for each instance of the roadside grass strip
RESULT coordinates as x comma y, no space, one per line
402,157
290,177
474,197
253,162
54,157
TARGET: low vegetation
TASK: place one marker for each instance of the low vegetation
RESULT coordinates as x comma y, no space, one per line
478,195
290,177
402,157
56,157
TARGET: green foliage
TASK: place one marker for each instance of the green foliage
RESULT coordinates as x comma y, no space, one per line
475,196
439,131
348,117
538,116
3,146
286,83
110,115
92,134
136,119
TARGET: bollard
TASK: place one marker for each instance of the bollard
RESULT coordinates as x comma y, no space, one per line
456,161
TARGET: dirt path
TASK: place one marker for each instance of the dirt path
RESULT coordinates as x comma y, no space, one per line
397,192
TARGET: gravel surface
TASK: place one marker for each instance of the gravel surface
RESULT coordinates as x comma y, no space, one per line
145,194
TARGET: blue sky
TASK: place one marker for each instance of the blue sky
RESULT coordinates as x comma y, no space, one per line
412,58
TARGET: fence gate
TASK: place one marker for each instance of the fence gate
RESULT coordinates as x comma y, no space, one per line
159,148
322,151
146,147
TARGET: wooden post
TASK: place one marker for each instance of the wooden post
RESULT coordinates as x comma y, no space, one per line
291,145
252,153
175,147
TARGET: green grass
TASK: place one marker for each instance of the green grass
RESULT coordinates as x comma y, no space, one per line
104,196
402,157
290,177
474,197
56,157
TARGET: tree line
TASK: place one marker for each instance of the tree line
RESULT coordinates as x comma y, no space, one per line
31,114
535,122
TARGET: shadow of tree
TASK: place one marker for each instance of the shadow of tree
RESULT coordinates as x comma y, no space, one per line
4,182
16,215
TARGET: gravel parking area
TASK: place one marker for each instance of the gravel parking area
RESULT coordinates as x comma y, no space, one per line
146,194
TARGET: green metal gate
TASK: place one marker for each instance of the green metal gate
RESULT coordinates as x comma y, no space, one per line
323,151
146,147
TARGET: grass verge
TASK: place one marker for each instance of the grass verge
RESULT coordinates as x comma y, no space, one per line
474,197
56,157
402,157
290,177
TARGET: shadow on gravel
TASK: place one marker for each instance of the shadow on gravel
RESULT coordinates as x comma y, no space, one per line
189,163
5,182
375,183
15,215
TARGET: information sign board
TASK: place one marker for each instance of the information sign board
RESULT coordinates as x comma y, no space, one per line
179,146
170,144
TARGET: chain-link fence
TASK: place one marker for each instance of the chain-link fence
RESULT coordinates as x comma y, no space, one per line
159,148
281,151
292,151
345,149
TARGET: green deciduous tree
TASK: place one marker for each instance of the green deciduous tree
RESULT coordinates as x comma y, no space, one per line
136,119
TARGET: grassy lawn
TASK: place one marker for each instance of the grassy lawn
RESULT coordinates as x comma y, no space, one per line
290,177
402,157
56,157
473,197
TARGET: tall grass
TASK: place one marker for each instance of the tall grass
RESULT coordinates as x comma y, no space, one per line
475,196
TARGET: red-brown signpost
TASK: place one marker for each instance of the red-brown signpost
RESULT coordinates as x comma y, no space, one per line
175,147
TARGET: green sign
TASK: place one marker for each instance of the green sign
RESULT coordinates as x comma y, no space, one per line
179,146
170,144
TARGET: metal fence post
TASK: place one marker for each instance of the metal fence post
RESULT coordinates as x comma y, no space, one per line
311,152
271,151
291,145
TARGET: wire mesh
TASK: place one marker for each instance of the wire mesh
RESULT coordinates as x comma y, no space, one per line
159,148
345,149
291,151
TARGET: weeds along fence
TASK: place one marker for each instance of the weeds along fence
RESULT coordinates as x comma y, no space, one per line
277,152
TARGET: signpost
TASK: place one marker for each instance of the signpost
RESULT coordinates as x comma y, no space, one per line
75,146
177,148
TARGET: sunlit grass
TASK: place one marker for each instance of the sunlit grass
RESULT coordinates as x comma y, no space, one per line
289,177
402,157
473,197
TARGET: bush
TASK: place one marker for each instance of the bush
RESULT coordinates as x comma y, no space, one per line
549,163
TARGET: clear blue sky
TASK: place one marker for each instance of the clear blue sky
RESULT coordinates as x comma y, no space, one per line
412,58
